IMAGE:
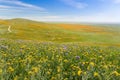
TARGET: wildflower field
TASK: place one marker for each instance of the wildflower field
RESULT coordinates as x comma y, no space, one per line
27,60
56,51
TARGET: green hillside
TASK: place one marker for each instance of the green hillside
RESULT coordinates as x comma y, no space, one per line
31,50
40,31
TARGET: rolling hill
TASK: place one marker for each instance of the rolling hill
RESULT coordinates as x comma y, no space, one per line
32,30
31,50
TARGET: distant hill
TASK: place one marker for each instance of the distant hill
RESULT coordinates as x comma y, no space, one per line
18,20
33,30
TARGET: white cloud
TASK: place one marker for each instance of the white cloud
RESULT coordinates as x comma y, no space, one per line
113,1
17,8
4,17
75,3
4,6
20,4
45,18
10,10
101,17
116,1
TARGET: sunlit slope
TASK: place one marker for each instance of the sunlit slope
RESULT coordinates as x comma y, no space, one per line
32,30
95,33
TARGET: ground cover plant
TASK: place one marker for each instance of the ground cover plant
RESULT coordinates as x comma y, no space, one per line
57,51
26,60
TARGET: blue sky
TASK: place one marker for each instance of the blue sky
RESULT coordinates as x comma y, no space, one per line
62,10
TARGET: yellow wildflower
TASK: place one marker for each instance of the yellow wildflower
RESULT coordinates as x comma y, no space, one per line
85,73
0,71
10,69
79,72
16,78
53,78
4,55
8,63
26,78
48,72
100,56
65,60
58,69
35,69
83,63
115,73
92,63
105,66
86,62
30,72
96,74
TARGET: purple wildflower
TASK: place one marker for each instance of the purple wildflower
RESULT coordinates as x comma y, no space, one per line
77,57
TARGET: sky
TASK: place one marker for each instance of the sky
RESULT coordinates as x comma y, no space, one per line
105,11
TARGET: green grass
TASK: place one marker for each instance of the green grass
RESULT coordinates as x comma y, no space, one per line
31,30
27,60
49,51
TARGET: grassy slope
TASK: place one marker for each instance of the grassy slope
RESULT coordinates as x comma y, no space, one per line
31,30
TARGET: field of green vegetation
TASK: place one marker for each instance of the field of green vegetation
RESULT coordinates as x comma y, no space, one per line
31,30
57,51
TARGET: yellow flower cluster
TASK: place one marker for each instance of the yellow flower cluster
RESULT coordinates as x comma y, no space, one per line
10,69
79,72
116,73
96,74
51,61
